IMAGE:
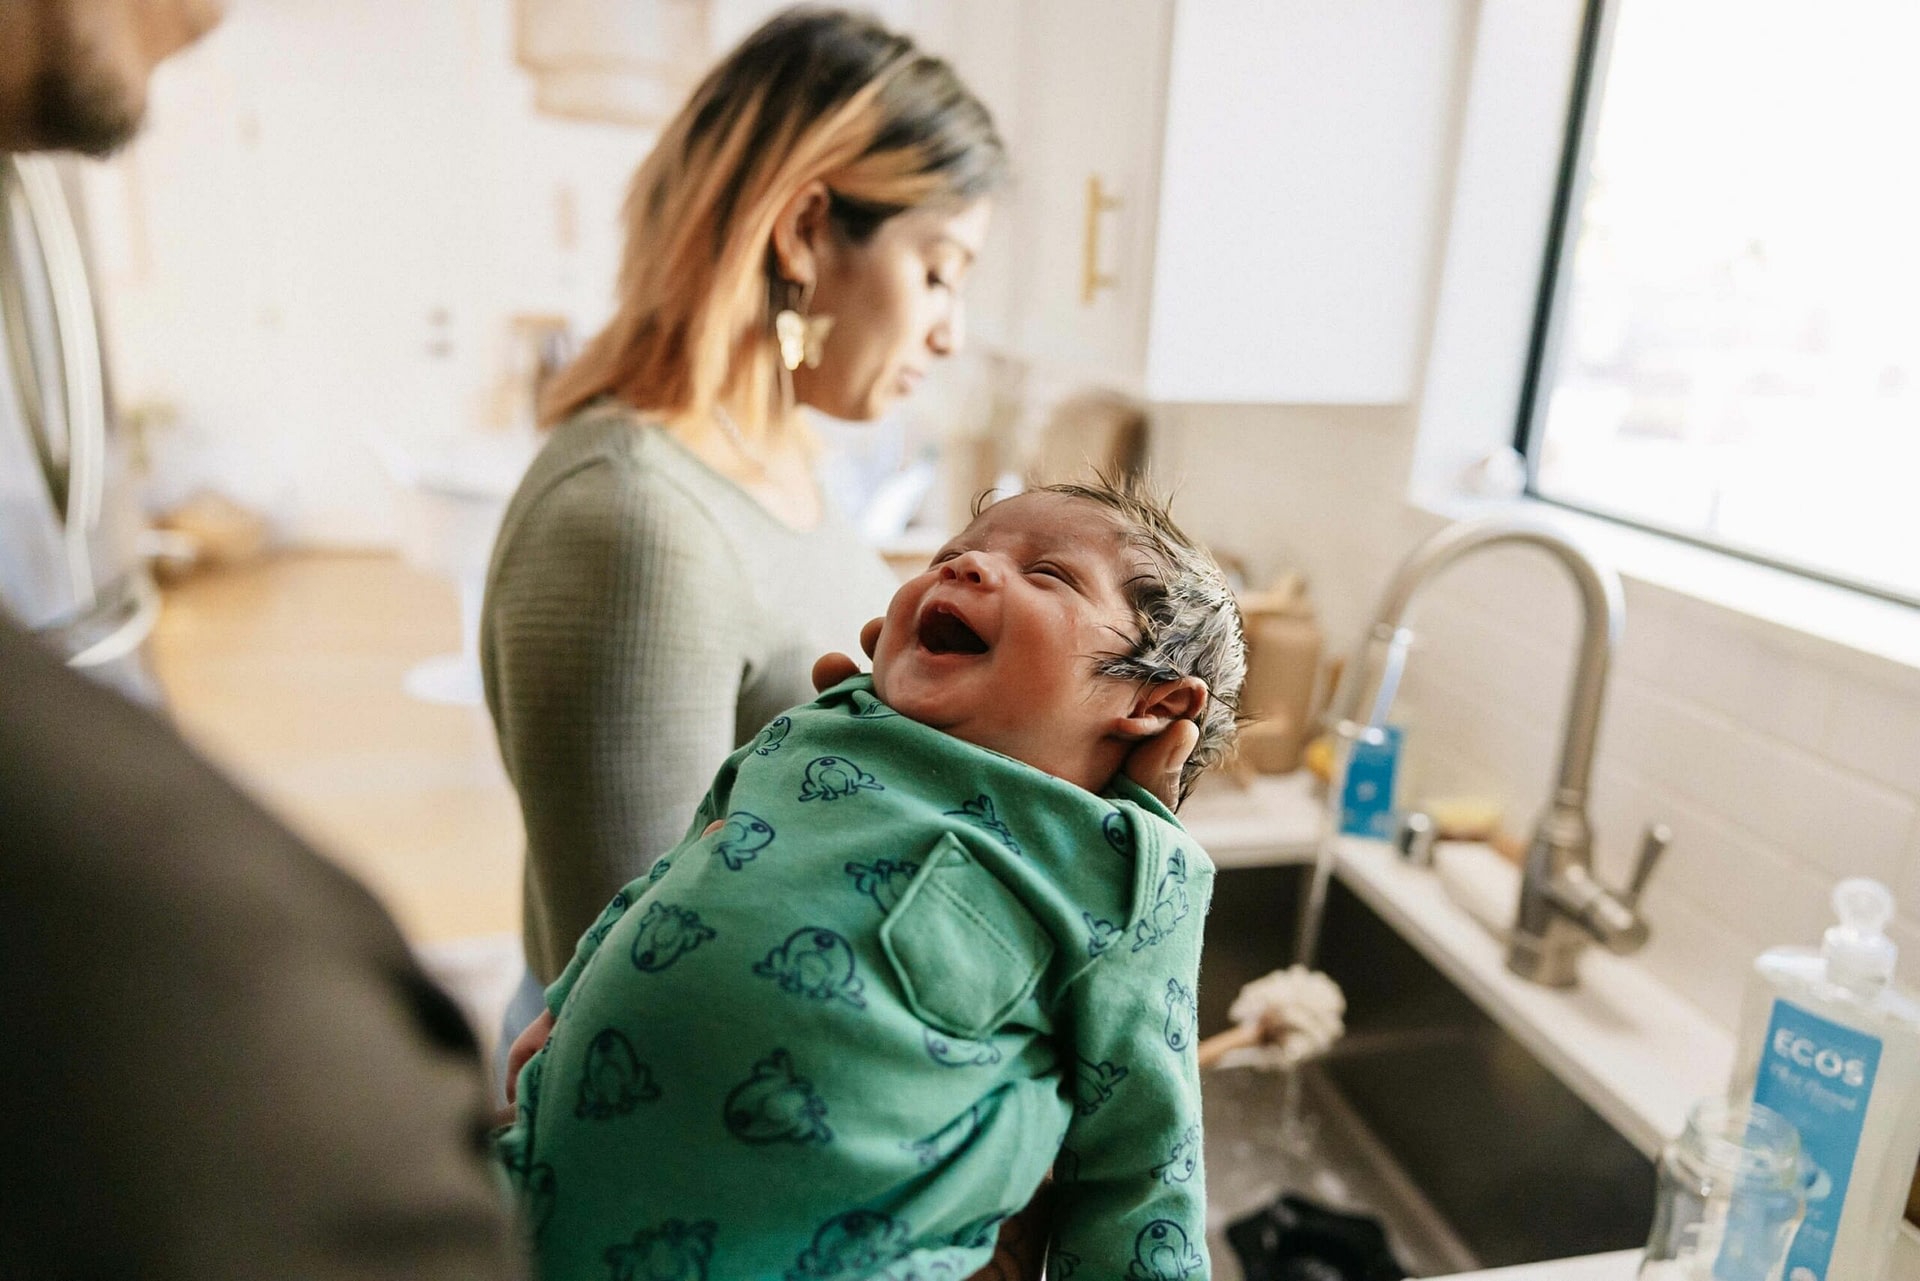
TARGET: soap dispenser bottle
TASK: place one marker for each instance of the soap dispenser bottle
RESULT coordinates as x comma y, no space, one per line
1828,1042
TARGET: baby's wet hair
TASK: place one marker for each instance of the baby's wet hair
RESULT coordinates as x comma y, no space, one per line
1188,619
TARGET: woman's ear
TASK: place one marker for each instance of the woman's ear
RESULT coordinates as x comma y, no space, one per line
799,234
1160,704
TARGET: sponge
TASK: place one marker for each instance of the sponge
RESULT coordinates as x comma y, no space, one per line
1464,818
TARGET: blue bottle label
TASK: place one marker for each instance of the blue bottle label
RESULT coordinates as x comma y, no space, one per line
1818,1075
1367,804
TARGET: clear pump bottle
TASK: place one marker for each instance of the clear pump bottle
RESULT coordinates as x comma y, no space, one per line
1829,1042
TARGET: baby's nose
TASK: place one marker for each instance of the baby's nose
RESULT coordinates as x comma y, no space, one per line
970,567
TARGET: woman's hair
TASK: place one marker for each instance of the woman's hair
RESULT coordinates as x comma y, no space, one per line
814,94
1189,622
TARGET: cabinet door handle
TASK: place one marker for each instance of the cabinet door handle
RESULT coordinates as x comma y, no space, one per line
1092,279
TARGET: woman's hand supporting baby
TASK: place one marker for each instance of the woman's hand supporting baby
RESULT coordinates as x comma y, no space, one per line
525,1046
1155,764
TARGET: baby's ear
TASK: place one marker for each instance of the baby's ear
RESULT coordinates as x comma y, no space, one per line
1160,704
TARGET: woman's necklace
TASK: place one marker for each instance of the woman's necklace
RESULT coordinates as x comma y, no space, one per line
791,496
738,440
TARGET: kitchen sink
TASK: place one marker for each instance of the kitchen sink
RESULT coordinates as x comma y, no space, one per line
1428,1116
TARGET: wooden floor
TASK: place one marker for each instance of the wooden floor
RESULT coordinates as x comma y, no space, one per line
288,673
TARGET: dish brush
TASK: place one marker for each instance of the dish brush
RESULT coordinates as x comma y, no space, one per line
1280,1020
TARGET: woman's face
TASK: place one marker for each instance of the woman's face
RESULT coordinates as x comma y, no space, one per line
896,307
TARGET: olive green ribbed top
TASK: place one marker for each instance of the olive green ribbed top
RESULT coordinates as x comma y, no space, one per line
644,616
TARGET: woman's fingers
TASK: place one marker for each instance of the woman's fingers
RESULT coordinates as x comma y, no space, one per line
830,669
525,1046
1156,763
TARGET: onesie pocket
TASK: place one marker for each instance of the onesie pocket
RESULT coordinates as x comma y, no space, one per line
965,950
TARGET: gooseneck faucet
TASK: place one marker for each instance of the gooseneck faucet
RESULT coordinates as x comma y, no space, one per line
1562,905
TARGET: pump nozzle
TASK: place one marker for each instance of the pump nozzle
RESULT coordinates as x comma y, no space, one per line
1858,952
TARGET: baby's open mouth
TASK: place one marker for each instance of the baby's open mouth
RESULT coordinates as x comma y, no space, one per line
943,632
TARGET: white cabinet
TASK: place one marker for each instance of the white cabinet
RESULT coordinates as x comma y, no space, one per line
1276,168
1086,155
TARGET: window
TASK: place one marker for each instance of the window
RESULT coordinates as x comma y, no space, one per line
1727,347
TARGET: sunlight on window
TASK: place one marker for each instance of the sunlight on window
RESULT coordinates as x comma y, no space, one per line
1737,349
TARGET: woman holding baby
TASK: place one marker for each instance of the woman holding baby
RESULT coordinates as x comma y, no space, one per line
800,236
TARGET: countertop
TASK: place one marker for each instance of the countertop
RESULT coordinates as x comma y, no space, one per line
1618,1265
1630,1047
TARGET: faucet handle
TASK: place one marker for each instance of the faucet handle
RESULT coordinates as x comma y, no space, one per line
1653,843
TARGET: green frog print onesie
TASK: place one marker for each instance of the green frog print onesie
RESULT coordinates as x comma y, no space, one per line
846,1033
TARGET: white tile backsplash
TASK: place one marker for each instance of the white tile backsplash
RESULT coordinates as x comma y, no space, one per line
1781,762
1875,730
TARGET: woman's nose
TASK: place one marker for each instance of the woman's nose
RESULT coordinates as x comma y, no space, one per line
970,567
949,334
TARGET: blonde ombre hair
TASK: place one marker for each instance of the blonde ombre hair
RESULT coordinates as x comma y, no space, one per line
813,95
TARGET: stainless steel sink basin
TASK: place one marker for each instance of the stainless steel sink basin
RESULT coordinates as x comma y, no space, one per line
1427,1116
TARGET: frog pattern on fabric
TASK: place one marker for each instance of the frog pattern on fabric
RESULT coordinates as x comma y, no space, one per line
1170,904
659,869
954,1051
667,933
851,1247
608,916
772,736
1101,935
947,1140
1119,838
884,880
1162,1252
614,1080
980,810
1183,1160
815,963
1182,1015
829,778
777,1105
742,839
1093,1084
675,1251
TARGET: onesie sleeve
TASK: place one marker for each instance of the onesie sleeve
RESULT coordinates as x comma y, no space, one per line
614,654
1131,1182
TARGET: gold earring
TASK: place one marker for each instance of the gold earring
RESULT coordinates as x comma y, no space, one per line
801,336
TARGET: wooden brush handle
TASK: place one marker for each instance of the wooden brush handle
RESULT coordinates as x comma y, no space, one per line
1220,1044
